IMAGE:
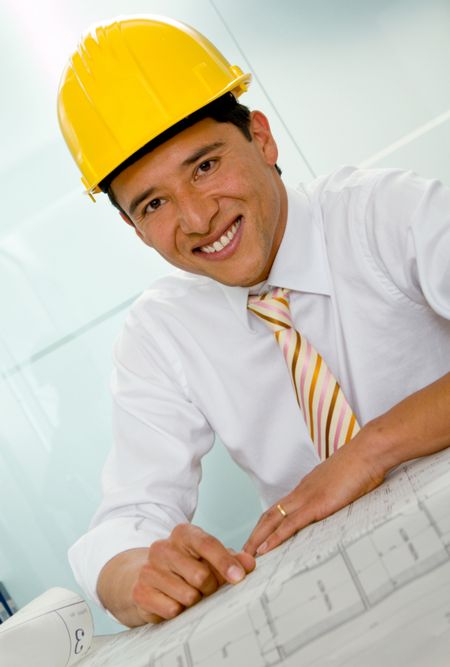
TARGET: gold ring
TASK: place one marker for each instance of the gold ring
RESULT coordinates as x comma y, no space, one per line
281,510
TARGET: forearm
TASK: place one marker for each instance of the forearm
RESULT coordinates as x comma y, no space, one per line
116,582
417,426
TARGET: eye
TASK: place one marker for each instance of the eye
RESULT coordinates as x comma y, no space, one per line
205,167
153,205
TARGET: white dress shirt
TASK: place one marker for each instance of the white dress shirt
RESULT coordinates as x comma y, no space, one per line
366,254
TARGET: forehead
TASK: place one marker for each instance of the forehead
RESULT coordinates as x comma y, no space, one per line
180,151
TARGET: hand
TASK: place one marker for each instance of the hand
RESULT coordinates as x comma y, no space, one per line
336,482
182,569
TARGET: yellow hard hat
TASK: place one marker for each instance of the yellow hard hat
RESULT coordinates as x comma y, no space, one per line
131,79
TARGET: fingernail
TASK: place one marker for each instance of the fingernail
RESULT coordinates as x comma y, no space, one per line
235,574
262,548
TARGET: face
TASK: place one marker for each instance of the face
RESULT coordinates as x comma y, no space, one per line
210,201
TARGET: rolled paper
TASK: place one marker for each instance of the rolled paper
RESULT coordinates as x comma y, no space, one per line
54,630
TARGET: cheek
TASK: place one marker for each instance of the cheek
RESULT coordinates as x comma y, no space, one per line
163,238
148,235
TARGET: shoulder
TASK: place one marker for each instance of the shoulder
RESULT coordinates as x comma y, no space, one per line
161,322
378,203
174,300
394,223
384,188
352,181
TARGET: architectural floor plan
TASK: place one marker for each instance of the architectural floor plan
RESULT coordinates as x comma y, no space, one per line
368,586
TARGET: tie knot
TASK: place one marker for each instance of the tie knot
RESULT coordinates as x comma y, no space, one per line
273,308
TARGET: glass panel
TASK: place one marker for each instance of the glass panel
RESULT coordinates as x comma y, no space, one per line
348,78
340,82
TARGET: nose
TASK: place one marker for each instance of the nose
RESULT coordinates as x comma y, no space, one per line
196,212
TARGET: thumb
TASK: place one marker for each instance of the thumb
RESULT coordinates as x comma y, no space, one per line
247,561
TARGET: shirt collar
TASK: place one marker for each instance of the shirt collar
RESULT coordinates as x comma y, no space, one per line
300,264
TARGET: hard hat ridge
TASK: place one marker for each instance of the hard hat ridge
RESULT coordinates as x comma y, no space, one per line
129,81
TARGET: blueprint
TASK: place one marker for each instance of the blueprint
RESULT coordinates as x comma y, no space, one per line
368,586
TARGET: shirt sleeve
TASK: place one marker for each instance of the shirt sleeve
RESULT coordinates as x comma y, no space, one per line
408,226
151,477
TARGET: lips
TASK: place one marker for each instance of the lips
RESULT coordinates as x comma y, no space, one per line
225,239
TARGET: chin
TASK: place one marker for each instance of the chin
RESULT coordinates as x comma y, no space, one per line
241,276
242,282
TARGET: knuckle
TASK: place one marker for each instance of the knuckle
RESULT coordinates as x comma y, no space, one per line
266,515
158,547
140,594
207,542
180,531
270,514
172,609
152,618
152,608
200,577
191,598
288,527
148,616
146,574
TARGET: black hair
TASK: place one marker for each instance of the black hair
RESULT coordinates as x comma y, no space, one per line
225,109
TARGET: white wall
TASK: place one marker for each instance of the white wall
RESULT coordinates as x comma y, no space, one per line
343,81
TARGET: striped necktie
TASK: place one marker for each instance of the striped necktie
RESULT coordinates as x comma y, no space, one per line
329,418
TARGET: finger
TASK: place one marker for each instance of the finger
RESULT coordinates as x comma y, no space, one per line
155,603
205,546
148,617
202,576
220,580
194,571
290,526
267,524
246,560
175,588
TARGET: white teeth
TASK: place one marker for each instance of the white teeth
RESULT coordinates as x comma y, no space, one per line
223,241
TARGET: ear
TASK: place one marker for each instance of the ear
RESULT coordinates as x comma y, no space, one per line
126,218
262,135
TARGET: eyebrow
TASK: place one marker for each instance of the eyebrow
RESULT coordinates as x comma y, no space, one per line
204,150
139,198
199,153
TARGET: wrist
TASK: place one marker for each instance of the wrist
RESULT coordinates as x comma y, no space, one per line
376,444
417,426
116,584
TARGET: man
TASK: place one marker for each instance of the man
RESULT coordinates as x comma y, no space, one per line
148,108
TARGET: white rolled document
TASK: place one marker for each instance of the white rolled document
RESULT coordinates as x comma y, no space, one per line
54,630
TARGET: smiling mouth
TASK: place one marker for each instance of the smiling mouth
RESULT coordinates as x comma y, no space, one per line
223,241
